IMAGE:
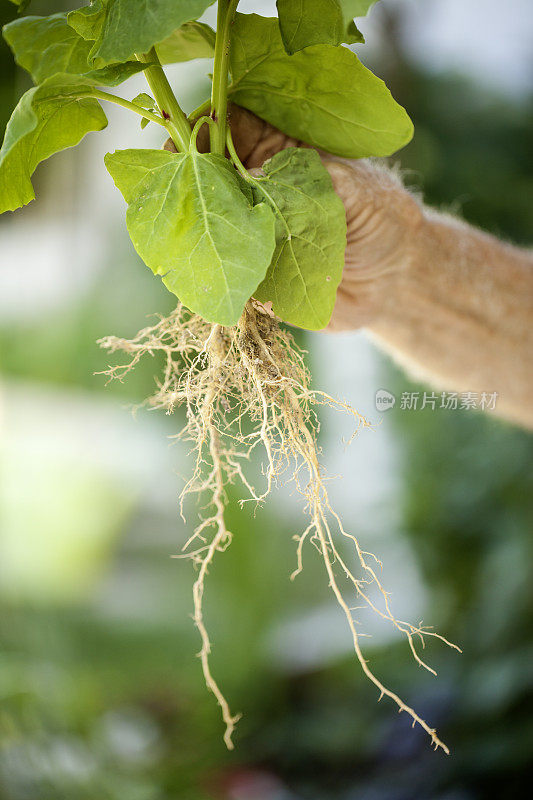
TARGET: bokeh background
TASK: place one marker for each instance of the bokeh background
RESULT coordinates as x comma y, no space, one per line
101,695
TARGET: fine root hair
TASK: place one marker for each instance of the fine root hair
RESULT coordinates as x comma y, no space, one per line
246,389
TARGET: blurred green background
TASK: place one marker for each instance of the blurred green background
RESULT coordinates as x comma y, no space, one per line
101,695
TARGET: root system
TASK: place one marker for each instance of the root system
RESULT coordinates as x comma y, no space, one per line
246,389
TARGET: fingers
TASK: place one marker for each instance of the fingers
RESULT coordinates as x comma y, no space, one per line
247,130
255,140
381,217
382,221
202,141
170,146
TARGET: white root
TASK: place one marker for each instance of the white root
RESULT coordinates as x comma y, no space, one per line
227,378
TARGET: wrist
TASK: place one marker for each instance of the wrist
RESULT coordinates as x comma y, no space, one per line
384,223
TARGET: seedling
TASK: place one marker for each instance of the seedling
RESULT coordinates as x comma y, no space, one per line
229,245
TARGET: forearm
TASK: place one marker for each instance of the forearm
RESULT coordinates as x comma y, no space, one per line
451,303
462,313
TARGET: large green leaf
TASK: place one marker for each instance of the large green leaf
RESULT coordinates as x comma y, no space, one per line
121,28
357,8
45,46
192,40
47,119
113,74
353,35
351,9
322,95
307,266
89,20
191,219
304,23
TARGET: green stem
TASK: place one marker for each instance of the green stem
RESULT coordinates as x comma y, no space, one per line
219,93
201,111
199,123
237,163
205,108
119,101
176,120
260,182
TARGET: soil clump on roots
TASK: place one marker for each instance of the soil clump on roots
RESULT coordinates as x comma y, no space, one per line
245,389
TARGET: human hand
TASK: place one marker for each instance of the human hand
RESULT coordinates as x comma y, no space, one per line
382,219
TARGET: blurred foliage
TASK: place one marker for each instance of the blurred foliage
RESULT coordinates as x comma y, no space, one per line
101,697
472,153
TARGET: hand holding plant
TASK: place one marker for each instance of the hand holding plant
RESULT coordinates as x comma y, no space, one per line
226,241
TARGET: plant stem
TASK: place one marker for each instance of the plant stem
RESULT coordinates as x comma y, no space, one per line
119,101
177,123
198,124
201,111
237,163
205,107
260,182
219,94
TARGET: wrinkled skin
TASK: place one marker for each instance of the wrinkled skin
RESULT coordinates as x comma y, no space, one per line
450,303
382,218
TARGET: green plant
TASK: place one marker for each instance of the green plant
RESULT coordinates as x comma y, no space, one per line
225,242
